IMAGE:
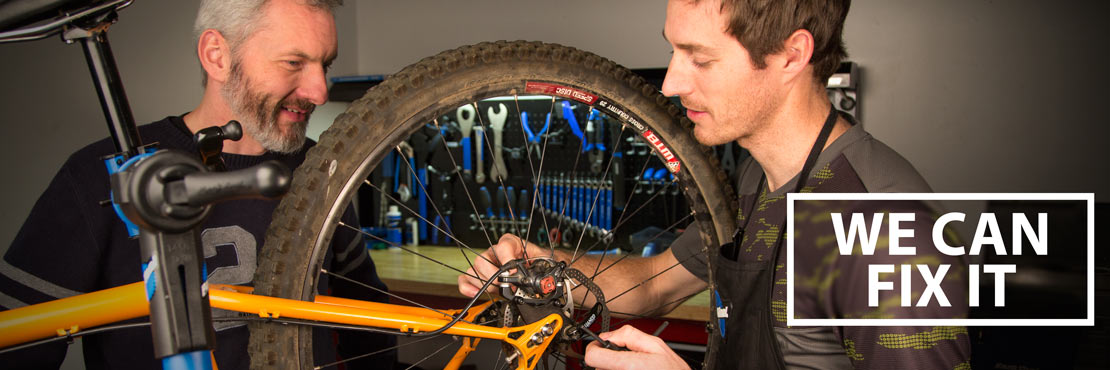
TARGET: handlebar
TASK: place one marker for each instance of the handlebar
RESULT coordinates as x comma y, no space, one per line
171,191
269,179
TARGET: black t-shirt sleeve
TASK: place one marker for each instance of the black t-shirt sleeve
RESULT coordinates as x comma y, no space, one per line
690,252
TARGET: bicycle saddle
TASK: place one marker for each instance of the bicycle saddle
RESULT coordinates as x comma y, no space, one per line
19,13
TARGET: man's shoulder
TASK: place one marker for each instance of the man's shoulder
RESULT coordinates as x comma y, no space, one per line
880,168
162,132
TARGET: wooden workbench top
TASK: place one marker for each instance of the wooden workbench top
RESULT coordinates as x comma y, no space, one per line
406,272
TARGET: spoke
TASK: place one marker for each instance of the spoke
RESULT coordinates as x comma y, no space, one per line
402,247
650,278
573,172
624,219
466,189
559,359
372,353
501,181
597,194
536,174
621,219
453,340
632,316
448,233
367,286
407,208
657,235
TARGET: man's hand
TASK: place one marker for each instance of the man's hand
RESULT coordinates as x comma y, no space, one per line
507,249
644,352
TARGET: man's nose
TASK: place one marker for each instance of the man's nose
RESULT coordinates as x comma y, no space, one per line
676,82
314,86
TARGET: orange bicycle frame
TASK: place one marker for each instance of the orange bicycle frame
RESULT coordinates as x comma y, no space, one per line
69,316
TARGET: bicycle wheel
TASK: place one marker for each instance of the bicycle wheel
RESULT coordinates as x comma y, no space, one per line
618,107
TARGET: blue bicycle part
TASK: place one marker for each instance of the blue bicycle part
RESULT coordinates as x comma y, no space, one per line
196,360
117,164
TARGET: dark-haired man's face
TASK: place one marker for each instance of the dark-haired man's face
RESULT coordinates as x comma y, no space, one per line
725,95
278,74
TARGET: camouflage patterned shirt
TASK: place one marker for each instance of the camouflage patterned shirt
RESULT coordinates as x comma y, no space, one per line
828,285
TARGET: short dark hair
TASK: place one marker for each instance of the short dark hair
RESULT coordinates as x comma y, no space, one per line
762,26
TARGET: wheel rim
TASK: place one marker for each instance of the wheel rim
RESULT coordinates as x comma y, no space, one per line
628,116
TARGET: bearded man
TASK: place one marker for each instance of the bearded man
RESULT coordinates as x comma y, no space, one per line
264,65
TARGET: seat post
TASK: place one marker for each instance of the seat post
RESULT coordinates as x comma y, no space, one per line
113,99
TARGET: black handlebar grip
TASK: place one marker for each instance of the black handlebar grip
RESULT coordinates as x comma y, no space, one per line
232,130
268,179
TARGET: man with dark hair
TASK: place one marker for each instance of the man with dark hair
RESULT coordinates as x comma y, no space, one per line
264,64
753,72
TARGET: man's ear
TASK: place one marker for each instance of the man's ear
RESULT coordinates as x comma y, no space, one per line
215,55
796,53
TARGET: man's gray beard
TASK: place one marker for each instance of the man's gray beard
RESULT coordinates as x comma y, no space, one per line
258,117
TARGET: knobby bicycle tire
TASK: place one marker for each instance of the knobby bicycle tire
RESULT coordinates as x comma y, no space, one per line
360,137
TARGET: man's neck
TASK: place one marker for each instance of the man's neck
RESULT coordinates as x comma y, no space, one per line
213,111
781,144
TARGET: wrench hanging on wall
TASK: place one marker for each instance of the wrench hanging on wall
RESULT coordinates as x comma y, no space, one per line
497,124
479,155
465,115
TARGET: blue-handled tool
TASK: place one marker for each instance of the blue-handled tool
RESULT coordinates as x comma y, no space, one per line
524,205
534,137
562,195
484,201
607,221
599,203
594,196
583,200
568,114
442,222
499,202
510,202
595,137
599,125
541,190
465,115
659,178
479,154
661,174
644,180
574,199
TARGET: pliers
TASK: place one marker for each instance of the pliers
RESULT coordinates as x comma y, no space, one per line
533,138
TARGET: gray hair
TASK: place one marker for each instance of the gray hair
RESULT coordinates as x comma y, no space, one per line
237,19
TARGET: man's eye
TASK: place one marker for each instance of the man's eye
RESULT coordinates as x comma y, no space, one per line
702,64
293,63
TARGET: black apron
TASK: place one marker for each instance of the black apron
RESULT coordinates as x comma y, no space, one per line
743,292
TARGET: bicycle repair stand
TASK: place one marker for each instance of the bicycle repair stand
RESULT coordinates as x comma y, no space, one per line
167,194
